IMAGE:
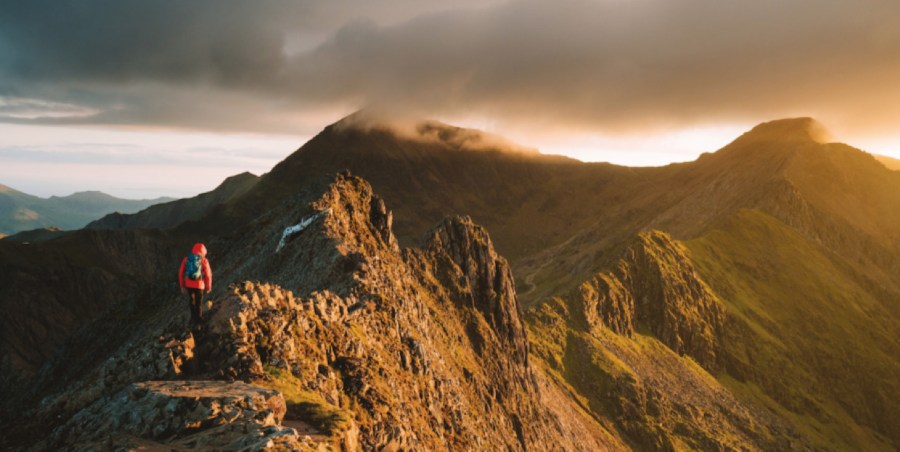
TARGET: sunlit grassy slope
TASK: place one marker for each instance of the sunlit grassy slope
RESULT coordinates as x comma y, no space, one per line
804,336
651,396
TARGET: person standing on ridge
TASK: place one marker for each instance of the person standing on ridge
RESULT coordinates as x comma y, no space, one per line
195,277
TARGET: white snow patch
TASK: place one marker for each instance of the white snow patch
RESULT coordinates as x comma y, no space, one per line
297,228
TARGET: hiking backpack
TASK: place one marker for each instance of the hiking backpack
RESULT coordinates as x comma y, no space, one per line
193,268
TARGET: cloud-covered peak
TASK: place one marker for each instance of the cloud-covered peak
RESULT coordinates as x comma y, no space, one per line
791,129
409,127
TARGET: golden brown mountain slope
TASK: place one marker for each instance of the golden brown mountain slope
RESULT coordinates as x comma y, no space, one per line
761,314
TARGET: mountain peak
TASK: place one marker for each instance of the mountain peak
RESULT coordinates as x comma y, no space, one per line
87,195
238,180
791,129
428,131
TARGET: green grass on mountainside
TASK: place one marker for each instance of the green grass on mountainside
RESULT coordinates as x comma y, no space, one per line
307,406
803,333
654,398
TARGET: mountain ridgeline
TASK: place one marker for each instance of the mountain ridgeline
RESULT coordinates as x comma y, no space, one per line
746,300
170,214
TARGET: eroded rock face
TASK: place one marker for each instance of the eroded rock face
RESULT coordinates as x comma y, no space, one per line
465,261
193,414
672,300
655,285
604,301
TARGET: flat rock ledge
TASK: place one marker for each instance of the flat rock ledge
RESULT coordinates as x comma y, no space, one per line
183,415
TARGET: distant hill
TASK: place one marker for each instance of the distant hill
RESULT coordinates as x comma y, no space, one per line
23,212
171,214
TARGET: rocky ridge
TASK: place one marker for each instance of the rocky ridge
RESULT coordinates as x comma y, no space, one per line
639,341
655,292
374,346
654,285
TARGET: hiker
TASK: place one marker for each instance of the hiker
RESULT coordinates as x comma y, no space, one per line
195,277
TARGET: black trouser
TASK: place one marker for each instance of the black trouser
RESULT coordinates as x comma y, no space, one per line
196,296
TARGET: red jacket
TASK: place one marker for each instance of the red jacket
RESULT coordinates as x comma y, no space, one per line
202,283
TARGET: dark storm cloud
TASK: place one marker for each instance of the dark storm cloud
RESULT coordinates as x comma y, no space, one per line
116,41
610,64
618,64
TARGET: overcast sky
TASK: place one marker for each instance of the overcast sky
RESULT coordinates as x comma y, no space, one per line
148,98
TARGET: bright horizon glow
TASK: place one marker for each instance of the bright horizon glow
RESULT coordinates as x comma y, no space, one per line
653,149
131,163
138,163
174,107
886,146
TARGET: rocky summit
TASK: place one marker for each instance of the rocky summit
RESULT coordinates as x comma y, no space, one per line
493,299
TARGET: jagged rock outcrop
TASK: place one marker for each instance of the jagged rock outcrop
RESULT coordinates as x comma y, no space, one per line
605,302
671,300
655,285
465,261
